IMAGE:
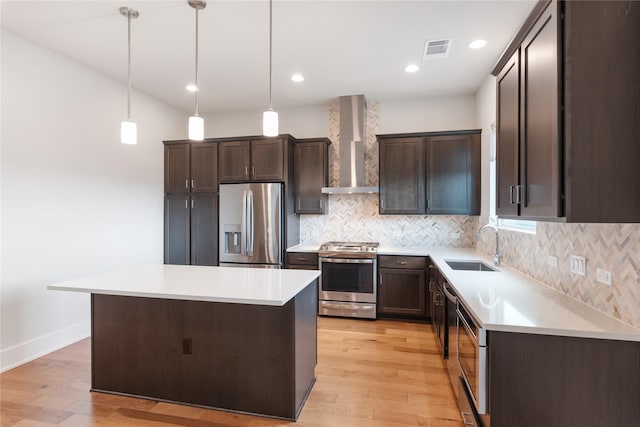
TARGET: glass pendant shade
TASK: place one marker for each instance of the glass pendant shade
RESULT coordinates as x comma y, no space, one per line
196,128
128,132
270,123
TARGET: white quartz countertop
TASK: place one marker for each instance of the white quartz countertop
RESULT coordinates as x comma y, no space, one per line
509,301
238,285
304,248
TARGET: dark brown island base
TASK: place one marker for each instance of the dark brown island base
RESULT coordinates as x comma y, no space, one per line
244,357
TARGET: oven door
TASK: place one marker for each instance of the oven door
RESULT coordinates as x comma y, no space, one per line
348,279
472,359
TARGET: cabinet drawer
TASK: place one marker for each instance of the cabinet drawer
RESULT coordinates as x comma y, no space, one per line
413,262
302,258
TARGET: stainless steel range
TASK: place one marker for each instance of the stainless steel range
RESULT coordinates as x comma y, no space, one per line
348,286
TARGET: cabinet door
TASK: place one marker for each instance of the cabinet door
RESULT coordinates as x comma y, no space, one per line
233,164
176,168
453,175
311,174
204,229
402,291
539,123
508,137
402,176
204,167
176,229
267,160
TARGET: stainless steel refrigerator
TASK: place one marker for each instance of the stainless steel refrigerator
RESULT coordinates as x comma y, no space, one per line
251,225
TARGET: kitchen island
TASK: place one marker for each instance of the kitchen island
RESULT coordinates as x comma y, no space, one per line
238,339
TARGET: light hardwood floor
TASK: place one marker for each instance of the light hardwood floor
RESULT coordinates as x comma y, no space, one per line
369,374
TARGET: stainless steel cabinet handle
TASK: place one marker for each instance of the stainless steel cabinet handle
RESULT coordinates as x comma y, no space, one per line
253,170
186,206
448,294
192,203
401,262
246,170
382,203
380,279
511,195
321,203
193,183
303,259
518,194
186,183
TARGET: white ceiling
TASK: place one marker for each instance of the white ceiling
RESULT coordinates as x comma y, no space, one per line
341,47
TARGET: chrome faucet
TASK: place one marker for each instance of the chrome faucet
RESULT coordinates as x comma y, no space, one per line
496,257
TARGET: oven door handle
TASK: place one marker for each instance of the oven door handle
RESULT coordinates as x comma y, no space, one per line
347,260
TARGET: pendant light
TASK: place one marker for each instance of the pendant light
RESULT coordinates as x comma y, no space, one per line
128,128
270,117
196,123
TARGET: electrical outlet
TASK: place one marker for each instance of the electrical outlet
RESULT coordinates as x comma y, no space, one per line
604,276
578,265
455,235
552,261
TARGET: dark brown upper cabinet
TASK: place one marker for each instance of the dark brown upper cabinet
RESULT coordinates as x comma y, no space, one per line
311,172
190,167
402,175
453,174
528,126
435,173
252,160
576,115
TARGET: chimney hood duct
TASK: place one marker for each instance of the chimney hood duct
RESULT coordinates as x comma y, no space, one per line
353,114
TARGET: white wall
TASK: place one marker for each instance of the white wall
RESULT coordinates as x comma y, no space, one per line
301,122
74,200
429,114
486,116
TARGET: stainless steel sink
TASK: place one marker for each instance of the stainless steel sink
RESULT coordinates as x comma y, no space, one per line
469,265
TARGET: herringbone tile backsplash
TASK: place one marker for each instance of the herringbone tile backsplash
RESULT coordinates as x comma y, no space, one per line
614,247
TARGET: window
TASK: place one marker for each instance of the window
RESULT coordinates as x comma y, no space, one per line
511,224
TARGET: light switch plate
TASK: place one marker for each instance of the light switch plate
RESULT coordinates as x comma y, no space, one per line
578,265
552,261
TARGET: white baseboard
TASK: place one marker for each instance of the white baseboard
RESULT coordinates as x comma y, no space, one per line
37,347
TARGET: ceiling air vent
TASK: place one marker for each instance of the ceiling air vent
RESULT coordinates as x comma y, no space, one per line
434,49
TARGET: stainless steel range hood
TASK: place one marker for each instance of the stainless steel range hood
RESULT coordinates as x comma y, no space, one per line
353,114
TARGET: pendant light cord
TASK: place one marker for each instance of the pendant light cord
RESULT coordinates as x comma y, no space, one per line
197,86
270,51
129,66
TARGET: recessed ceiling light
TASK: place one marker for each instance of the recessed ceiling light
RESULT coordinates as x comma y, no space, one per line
297,78
412,68
192,88
477,44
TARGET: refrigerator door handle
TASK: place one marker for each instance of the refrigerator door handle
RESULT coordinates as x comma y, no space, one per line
243,226
250,223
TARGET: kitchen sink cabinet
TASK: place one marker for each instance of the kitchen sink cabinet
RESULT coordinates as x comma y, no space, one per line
567,127
311,171
433,173
252,160
453,174
302,261
191,229
402,176
190,167
402,287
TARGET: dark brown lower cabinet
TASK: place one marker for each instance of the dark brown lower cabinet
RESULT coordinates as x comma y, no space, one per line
302,261
402,290
249,358
191,229
554,381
